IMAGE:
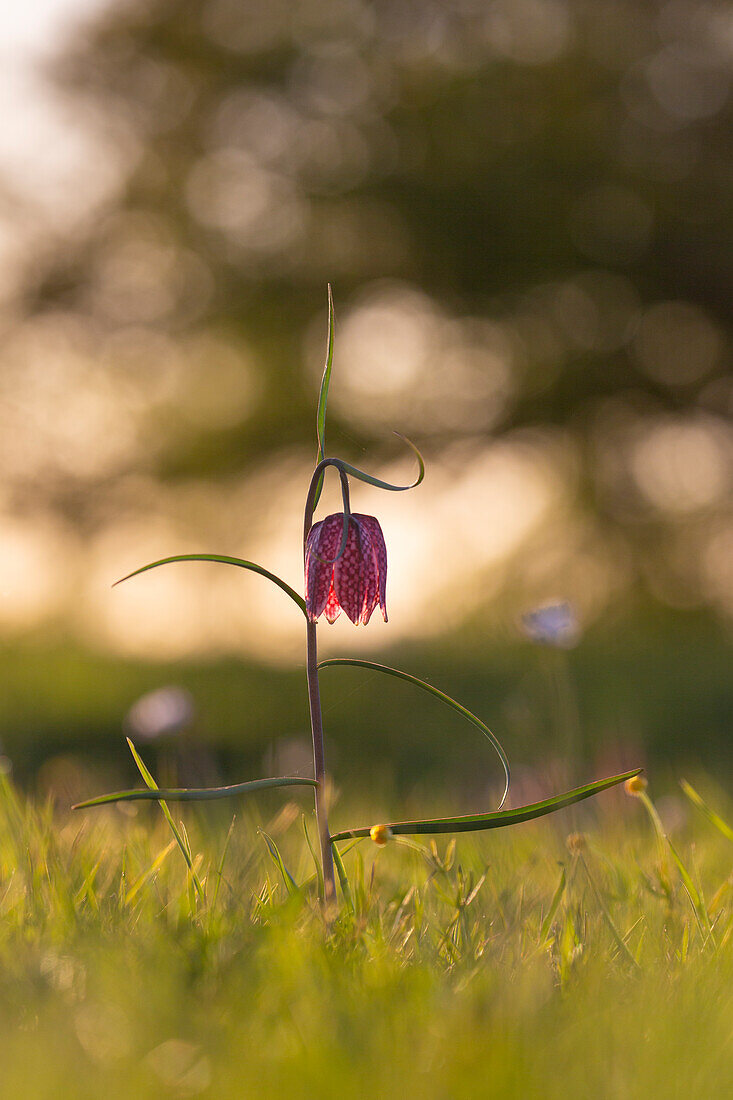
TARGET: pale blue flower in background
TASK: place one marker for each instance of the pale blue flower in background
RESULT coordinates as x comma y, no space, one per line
554,624
161,713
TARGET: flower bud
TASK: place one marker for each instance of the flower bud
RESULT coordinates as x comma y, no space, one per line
380,834
636,785
576,843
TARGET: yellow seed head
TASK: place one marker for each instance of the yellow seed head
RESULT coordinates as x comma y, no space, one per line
380,834
576,842
635,785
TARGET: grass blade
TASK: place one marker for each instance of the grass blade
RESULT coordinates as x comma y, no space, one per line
316,860
194,794
497,819
617,937
220,868
693,894
146,876
713,818
323,395
343,877
290,884
167,814
554,905
464,711
224,560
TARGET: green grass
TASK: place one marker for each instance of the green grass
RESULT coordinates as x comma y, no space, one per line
510,964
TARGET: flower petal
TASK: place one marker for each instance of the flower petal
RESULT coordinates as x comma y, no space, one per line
371,575
332,609
323,542
379,548
349,575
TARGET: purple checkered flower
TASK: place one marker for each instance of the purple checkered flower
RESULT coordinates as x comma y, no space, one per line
356,581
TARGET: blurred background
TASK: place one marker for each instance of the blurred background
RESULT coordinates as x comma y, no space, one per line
525,208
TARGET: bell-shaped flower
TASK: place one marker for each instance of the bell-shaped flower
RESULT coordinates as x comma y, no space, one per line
356,580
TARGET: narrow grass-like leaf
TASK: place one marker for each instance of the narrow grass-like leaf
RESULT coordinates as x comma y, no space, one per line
360,475
497,819
343,877
410,679
151,871
186,841
290,884
554,905
323,395
86,890
345,468
696,900
224,560
661,839
220,868
618,938
316,860
195,794
148,778
721,825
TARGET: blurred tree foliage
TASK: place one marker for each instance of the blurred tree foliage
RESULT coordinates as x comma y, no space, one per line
558,164
524,206
559,167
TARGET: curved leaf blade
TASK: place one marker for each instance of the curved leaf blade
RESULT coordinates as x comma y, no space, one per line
325,382
195,794
314,857
343,879
362,476
497,819
290,884
179,834
464,711
323,394
224,560
554,905
714,819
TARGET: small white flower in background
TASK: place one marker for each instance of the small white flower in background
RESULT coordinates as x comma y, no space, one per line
553,624
164,712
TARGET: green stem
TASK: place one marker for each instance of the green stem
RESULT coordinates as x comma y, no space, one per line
314,692
661,835
619,940
319,765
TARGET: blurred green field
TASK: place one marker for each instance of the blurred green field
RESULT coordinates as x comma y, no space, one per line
649,690
524,211
463,971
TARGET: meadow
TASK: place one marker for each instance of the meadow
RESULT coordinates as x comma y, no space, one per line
524,207
588,954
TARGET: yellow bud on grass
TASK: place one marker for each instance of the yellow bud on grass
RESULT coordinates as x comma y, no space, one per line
636,785
380,834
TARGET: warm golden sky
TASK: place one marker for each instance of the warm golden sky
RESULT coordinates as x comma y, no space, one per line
494,516
43,151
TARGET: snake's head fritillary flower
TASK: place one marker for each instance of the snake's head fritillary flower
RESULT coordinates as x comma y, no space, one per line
355,582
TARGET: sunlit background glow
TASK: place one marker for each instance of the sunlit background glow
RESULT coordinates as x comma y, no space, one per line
574,408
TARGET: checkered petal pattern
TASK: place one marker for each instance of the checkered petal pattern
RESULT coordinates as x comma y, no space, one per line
355,583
